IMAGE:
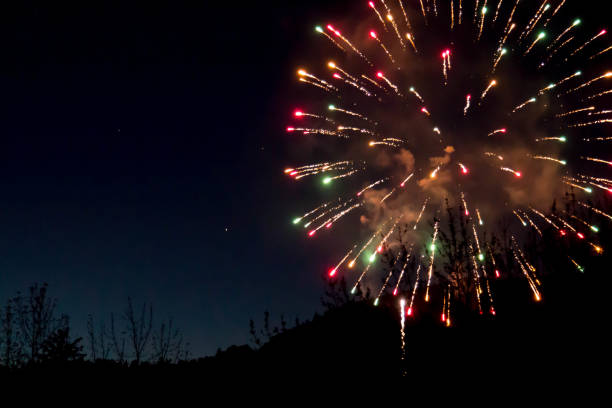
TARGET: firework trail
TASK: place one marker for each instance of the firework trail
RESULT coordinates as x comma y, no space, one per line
399,279
446,307
520,218
558,8
585,189
593,228
388,82
403,323
371,186
534,21
552,159
580,268
497,10
604,112
348,112
365,271
535,227
325,88
509,23
423,11
302,171
546,89
503,52
299,219
584,85
322,214
487,89
431,259
555,12
414,290
598,139
465,207
468,99
555,51
482,20
567,30
329,222
539,38
497,131
595,160
601,53
564,80
532,281
476,4
399,36
353,84
356,129
415,93
411,40
444,68
319,30
384,286
595,122
421,213
375,37
494,155
404,13
475,268
387,196
351,46
380,18
548,220
334,270
300,114
522,105
403,184
595,210
497,273
333,65
601,33
560,115
503,40
598,179
301,73
567,225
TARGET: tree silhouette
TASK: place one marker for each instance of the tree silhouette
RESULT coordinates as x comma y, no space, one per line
254,338
99,346
138,329
117,341
37,319
11,345
168,344
59,348
132,336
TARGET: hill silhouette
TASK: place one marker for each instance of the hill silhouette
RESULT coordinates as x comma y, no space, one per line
355,340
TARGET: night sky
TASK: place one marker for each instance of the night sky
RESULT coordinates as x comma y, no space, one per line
142,154
132,138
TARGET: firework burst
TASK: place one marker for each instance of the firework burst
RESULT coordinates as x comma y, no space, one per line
391,168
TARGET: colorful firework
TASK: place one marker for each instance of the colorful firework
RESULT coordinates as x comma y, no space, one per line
375,97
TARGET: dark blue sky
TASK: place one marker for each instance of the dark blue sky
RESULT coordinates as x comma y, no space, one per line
131,138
